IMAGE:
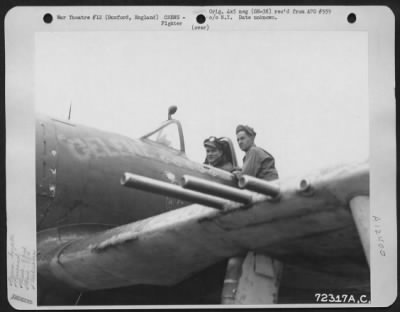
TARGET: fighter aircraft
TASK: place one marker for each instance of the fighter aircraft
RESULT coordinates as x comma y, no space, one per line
135,221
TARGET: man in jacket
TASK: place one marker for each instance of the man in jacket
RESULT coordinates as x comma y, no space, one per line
257,162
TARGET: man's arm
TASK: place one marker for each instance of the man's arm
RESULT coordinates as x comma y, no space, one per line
268,171
252,163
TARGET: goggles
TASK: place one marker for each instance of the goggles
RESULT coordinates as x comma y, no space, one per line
213,142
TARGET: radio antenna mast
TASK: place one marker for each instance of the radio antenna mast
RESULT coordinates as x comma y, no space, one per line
69,114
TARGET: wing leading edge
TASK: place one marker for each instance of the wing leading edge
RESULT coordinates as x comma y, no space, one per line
167,248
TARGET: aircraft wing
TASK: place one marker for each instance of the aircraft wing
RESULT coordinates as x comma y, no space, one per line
310,225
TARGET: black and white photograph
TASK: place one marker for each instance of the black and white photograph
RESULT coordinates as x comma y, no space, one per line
200,156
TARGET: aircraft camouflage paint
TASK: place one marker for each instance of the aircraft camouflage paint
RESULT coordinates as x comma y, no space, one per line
115,212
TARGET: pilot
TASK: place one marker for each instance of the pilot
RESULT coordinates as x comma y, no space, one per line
257,162
217,152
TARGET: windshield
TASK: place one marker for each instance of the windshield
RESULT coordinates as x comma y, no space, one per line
168,135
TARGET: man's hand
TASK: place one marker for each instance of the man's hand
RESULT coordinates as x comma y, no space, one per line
237,173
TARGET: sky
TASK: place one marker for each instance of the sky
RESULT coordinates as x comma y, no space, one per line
304,92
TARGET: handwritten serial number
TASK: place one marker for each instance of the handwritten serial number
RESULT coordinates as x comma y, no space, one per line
340,298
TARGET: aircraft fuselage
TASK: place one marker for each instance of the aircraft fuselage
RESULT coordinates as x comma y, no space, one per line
78,172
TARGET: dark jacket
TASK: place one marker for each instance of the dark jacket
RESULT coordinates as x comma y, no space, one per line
260,164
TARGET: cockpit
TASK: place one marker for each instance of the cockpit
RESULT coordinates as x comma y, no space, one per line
169,134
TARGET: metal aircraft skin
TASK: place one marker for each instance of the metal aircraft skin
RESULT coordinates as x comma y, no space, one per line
95,234
79,171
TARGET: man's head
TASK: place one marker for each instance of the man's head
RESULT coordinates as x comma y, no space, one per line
245,137
214,150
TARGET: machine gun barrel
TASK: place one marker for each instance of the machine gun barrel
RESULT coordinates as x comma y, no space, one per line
163,188
258,185
216,189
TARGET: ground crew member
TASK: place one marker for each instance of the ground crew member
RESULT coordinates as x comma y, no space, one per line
257,162
260,164
217,154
